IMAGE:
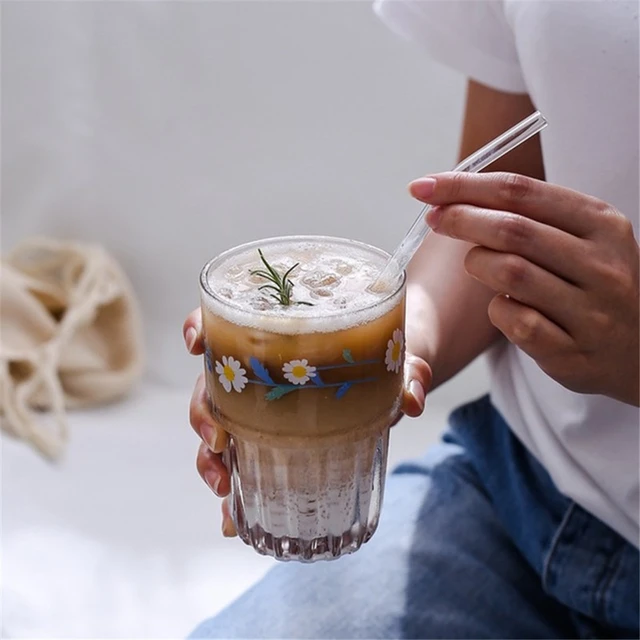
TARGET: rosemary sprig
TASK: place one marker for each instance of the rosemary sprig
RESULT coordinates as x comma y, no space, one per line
280,287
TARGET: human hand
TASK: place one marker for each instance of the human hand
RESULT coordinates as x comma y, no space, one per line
214,439
564,266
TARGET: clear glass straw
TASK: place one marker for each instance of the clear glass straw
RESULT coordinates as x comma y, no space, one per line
475,162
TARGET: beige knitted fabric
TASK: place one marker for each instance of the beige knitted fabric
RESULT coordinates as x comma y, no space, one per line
70,336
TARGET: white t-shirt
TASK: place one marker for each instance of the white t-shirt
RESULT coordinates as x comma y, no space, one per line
579,63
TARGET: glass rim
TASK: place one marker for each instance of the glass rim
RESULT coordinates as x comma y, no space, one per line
225,302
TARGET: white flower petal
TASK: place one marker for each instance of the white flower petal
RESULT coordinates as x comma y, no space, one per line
389,362
393,364
239,382
225,382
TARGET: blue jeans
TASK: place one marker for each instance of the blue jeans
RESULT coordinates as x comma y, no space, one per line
474,541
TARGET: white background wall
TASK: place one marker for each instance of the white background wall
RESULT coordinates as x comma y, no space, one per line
169,131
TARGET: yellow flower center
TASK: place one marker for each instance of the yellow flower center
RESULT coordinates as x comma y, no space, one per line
229,373
395,352
299,371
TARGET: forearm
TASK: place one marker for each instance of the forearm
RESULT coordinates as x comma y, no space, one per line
447,320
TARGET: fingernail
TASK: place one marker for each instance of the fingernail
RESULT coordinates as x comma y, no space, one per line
213,481
417,391
434,215
190,338
209,435
228,530
422,188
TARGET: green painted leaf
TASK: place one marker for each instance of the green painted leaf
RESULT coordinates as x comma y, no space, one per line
346,354
279,391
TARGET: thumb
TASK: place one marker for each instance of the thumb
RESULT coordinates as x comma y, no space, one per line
417,381
192,333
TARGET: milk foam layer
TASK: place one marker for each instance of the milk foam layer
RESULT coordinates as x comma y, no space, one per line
333,277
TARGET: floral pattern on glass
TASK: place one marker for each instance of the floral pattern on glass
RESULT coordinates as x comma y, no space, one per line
395,351
231,374
300,374
299,371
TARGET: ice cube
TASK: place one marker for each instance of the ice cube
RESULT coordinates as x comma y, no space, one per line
225,292
321,293
342,267
321,280
259,339
262,304
234,273
254,278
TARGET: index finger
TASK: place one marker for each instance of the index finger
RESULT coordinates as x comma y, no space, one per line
549,204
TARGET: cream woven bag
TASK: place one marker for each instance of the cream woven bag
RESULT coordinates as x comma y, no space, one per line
70,336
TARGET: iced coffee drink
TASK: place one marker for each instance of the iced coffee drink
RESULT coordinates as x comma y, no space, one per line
304,369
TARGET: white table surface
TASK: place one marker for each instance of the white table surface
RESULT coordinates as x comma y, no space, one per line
121,538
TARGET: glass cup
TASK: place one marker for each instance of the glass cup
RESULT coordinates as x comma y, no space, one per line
306,393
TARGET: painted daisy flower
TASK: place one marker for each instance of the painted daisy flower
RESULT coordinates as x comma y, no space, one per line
393,357
231,374
298,371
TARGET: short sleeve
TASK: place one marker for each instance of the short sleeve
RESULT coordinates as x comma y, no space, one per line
471,36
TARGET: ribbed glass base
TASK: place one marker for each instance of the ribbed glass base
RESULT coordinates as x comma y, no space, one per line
310,503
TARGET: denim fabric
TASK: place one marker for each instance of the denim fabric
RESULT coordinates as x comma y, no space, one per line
580,561
474,542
